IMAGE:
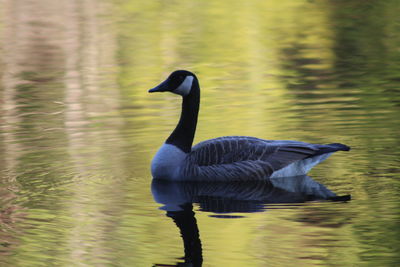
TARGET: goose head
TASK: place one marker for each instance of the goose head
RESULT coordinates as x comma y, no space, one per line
179,82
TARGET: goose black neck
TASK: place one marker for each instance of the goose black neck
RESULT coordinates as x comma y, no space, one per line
183,135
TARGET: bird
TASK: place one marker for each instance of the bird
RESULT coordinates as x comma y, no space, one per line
227,158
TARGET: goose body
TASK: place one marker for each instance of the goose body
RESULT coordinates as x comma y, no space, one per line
228,158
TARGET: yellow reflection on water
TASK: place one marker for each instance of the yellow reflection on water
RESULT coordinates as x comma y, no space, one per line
78,129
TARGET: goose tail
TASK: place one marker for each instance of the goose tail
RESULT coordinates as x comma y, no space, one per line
339,146
330,148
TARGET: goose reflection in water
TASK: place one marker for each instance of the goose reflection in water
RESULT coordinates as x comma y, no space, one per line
223,198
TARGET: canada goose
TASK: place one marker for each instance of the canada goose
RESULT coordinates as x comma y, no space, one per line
228,158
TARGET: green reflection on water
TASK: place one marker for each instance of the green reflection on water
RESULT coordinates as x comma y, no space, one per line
79,130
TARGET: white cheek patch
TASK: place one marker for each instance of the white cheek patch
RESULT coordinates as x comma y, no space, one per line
184,88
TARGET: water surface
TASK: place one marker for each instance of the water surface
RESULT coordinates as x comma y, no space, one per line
78,129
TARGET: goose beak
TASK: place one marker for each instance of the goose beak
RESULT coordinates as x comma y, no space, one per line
162,87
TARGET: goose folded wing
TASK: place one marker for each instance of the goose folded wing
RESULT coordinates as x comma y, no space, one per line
247,155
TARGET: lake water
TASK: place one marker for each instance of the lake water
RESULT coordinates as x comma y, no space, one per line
78,131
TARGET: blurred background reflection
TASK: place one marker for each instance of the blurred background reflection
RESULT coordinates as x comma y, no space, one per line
78,129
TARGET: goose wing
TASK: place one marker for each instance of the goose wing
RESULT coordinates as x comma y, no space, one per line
242,157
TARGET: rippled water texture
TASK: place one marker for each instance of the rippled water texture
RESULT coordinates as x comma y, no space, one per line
78,131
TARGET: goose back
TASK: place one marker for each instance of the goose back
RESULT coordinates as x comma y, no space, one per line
249,158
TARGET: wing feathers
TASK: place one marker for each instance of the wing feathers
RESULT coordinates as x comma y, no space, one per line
242,157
